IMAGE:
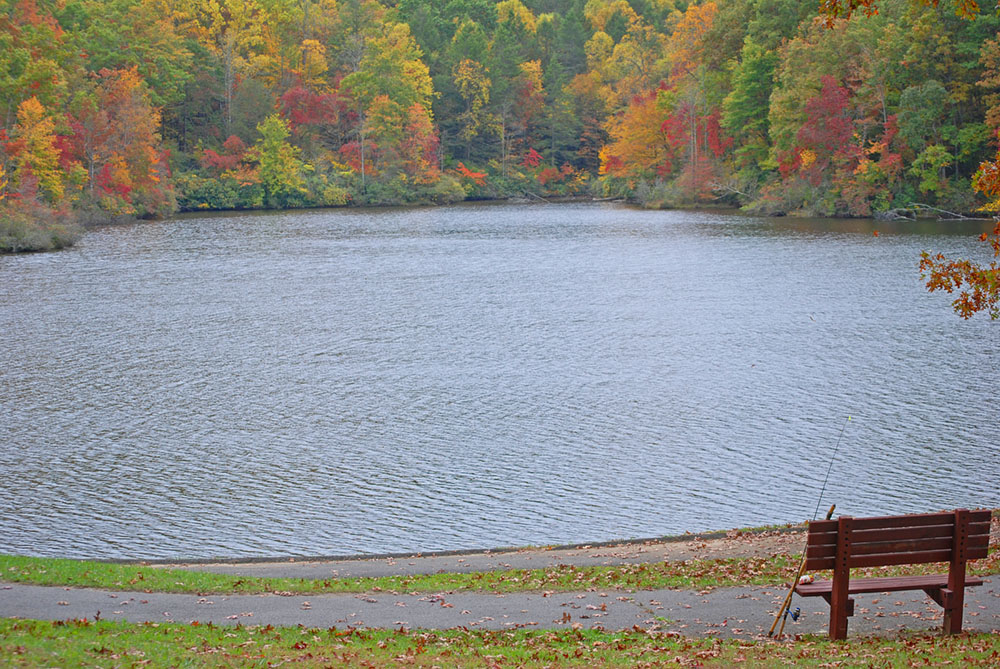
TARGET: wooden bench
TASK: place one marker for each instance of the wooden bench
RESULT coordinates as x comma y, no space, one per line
846,543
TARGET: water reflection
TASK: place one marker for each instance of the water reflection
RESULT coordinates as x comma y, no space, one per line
361,381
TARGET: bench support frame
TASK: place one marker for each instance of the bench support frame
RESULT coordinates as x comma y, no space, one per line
841,604
880,541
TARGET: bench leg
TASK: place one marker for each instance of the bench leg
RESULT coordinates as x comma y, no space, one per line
954,607
838,618
952,601
954,596
839,592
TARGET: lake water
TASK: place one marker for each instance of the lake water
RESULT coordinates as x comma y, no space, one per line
360,381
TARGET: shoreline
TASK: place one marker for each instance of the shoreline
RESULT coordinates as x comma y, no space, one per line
459,552
90,222
747,535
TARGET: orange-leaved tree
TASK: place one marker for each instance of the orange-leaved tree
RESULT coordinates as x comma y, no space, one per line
979,285
643,143
134,175
845,8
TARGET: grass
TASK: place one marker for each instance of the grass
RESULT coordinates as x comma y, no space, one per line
29,643
695,574
683,574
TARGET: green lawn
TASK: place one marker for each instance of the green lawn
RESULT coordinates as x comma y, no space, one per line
681,574
28,643
686,574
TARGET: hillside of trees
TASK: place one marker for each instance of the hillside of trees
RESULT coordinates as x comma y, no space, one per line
113,108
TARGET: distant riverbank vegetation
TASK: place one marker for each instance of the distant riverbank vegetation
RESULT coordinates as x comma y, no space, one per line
141,108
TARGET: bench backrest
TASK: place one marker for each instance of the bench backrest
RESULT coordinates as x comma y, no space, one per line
892,540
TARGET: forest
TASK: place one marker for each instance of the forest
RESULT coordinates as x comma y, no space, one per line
142,108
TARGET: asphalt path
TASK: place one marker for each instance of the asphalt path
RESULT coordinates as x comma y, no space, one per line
744,612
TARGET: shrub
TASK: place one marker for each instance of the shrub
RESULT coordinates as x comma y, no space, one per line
445,190
797,197
194,192
32,226
616,187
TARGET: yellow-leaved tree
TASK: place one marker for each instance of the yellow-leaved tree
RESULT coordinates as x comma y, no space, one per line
36,158
391,78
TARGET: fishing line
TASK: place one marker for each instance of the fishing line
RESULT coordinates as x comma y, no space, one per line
830,468
785,610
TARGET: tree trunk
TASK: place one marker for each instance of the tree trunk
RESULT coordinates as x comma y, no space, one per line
363,183
230,80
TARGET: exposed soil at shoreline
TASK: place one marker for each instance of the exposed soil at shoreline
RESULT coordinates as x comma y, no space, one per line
705,546
733,544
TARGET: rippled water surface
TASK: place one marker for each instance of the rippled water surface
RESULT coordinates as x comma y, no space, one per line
331,382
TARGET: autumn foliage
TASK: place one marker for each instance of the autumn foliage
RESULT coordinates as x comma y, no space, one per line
478,178
838,108
978,285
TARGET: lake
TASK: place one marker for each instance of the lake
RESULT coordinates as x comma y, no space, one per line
367,381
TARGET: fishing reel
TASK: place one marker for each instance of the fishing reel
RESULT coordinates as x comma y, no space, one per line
794,614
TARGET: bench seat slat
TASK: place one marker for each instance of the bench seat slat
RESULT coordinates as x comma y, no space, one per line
883,547
822,526
884,584
822,561
977,552
881,560
976,539
889,547
821,551
980,528
819,564
917,520
903,533
888,559
978,533
913,520
821,538
977,547
980,516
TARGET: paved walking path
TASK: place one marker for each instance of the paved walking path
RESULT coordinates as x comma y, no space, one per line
726,612
743,612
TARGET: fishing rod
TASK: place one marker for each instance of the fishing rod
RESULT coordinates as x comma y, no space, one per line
783,612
